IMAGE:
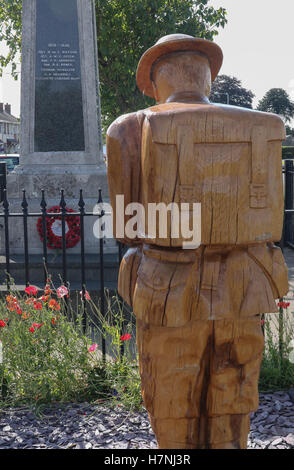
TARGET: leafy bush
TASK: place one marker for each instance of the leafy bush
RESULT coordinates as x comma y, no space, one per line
277,369
48,356
287,152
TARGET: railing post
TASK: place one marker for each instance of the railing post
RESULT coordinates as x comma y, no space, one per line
24,206
122,346
3,173
281,329
82,229
6,223
288,200
102,287
63,215
44,227
64,260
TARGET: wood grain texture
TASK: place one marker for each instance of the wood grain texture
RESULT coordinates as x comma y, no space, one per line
198,311
241,201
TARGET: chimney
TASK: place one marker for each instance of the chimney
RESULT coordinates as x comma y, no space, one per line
1,108
8,108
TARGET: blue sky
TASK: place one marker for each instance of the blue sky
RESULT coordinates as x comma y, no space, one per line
257,43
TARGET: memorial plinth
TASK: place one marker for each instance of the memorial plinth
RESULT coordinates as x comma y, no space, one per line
61,145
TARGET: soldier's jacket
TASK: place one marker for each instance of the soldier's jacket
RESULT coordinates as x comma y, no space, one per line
229,160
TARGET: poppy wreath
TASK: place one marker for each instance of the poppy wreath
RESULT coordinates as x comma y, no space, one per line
73,232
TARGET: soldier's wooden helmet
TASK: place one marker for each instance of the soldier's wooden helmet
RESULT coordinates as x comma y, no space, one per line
176,43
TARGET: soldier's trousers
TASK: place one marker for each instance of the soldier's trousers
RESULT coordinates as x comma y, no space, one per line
200,381
199,338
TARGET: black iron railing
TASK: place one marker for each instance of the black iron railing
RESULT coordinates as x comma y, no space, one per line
63,215
3,172
288,230
6,215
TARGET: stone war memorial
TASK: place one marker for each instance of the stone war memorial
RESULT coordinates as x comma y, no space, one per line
61,145
198,308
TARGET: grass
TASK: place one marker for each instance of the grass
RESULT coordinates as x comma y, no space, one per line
277,369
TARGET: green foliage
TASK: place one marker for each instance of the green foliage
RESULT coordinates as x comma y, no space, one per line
10,32
41,363
238,96
289,130
287,152
277,101
277,370
125,29
122,372
47,355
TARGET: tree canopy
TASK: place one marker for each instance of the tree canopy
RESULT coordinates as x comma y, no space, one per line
290,131
225,87
125,29
10,32
277,101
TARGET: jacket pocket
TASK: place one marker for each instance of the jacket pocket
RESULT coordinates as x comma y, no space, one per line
128,274
280,272
238,347
271,260
164,292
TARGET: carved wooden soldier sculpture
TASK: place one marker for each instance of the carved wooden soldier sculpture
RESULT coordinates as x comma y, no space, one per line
198,310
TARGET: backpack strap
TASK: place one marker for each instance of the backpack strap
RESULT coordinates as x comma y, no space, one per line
258,186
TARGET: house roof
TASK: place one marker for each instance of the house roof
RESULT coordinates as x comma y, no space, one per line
6,117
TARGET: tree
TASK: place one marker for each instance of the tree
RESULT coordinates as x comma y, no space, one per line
277,101
225,87
125,29
290,131
10,32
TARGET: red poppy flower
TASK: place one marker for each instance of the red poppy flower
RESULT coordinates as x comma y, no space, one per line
2,323
31,290
125,337
54,304
12,303
53,321
38,325
93,347
283,304
37,306
47,289
32,329
87,295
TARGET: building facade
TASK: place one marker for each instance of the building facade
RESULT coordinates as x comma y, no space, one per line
9,130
